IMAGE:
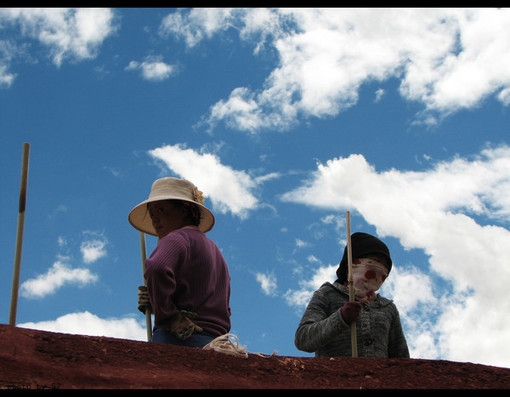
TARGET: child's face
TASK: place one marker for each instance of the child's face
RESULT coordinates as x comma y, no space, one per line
368,274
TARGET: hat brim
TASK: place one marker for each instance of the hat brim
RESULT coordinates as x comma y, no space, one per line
139,216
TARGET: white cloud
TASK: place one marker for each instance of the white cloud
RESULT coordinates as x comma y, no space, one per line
153,68
229,190
6,78
446,59
92,250
267,283
198,24
56,277
85,323
379,95
300,243
68,33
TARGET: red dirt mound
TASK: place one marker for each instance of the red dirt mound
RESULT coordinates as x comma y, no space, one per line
32,359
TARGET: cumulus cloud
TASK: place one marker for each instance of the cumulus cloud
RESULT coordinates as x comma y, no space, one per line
73,34
93,249
86,323
229,190
445,59
268,283
153,68
57,276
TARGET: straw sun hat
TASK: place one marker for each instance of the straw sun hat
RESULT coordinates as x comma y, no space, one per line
170,189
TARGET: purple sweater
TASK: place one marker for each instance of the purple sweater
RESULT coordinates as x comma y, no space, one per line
187,271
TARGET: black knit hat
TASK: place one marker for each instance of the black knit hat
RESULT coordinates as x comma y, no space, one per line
362,244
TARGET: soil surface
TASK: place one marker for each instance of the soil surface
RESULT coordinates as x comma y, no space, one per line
32,359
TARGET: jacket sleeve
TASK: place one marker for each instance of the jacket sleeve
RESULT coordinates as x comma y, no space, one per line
397,344
318,325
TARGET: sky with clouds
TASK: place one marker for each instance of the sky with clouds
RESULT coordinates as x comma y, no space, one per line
286,119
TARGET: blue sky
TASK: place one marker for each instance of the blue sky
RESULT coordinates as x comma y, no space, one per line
286,119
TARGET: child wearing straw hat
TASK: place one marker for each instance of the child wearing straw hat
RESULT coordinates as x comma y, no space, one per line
187,277
325,327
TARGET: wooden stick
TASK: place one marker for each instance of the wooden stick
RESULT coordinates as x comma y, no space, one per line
19,236
354,340
148,322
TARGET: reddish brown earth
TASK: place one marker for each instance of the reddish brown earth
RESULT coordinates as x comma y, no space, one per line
31,359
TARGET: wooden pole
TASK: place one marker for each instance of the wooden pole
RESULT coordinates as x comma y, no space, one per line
354,339
148,321
19,236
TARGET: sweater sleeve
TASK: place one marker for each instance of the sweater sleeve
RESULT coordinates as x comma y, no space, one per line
397,344
318,326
